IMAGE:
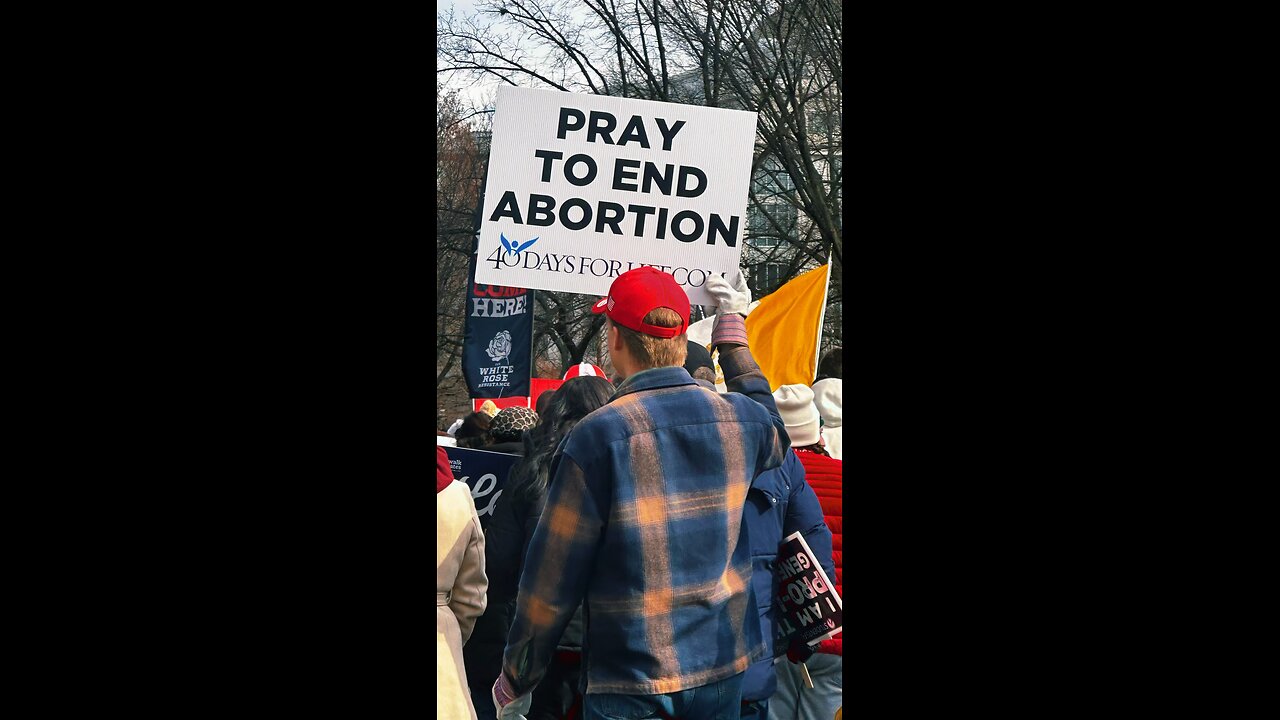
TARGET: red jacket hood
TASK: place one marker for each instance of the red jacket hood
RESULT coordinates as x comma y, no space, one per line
444,474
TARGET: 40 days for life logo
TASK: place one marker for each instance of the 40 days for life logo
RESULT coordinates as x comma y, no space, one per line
515,248
509,255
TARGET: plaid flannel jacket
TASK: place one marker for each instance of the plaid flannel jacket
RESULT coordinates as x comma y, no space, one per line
644,520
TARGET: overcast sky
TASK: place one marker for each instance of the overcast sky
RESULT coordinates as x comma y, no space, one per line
478,91
461,8
474,91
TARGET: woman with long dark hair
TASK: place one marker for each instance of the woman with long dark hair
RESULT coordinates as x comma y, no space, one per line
515,516
577,398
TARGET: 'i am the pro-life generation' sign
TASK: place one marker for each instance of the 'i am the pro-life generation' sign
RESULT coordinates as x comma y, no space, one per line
582,188
811,608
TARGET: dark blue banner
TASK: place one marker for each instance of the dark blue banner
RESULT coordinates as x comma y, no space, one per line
486,474
497,351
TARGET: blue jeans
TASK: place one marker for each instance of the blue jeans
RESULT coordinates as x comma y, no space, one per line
755,710
718,701
794,701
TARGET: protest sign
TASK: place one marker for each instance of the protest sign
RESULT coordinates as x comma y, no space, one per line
811,607
497,346
582,188
485,472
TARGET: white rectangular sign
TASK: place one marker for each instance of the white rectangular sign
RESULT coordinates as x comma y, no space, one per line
582,188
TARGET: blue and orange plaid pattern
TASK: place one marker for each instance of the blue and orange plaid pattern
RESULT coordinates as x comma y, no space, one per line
644,520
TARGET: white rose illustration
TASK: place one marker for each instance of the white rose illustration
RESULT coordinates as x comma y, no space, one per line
500,346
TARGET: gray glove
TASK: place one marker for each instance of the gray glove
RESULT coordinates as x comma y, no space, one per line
514,708
733,298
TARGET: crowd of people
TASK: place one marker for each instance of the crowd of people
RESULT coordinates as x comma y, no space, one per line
628,569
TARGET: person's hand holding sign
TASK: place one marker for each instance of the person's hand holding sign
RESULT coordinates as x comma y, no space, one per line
730,329
733,298
799,651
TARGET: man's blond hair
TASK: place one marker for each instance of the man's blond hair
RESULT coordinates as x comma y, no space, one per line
653,352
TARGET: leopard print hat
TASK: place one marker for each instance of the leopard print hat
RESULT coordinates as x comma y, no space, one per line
511,423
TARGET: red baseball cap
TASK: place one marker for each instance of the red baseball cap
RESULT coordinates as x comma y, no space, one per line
637,292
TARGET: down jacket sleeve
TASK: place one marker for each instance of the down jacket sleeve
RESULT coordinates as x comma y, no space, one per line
743,375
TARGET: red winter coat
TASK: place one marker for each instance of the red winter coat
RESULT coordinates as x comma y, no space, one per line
824,475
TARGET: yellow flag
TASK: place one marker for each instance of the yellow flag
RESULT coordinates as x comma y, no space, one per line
784,329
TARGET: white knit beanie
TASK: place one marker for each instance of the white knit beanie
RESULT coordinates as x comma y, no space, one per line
795,405
828,395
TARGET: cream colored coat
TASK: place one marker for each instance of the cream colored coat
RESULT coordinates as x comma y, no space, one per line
833,439
459,572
